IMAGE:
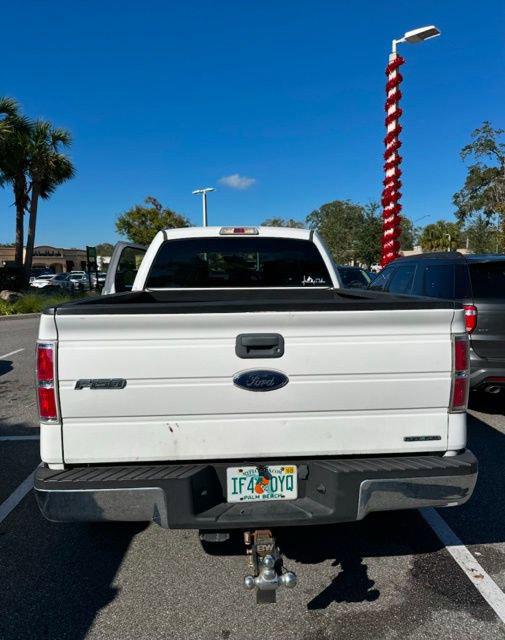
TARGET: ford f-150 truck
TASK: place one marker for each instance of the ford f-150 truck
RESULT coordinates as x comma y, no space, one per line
231,383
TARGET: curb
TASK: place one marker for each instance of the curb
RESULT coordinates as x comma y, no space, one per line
19,316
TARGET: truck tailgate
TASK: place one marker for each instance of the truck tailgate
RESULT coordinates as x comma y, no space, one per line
359,382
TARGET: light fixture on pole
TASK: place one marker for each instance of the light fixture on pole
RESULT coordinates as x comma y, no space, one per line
391,194
204,192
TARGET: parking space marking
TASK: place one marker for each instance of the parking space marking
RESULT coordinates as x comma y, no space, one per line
11,353
16,496
14,438
481,580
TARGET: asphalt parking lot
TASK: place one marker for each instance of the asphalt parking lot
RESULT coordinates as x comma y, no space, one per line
389,576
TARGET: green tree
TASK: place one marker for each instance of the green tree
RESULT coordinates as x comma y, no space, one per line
15,130
104,249
339,223
141,223
484,189
283,222
437,236
367,243
409,234
47,168
483,235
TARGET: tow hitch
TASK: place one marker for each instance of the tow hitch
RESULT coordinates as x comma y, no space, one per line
265,563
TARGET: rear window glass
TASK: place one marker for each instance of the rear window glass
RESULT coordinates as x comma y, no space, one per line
439,281
238,262
488,279
379,283
401,282
352,277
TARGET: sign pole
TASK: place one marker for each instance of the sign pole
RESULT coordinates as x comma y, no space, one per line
91,264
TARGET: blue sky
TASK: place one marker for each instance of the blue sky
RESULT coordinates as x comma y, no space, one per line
166,96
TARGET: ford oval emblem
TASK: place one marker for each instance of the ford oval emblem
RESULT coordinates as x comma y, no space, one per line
260,380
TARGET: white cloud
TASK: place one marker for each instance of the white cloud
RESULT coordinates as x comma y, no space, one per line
236,181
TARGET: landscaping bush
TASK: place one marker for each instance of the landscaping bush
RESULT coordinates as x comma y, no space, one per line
33,303
5,308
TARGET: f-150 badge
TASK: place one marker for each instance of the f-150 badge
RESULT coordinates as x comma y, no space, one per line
260,380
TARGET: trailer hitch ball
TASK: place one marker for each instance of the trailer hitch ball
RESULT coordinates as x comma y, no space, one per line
268,578
288,579
249,582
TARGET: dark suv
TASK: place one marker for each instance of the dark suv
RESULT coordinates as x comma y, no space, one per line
478,282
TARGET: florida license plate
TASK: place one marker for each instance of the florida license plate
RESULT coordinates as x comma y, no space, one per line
248,484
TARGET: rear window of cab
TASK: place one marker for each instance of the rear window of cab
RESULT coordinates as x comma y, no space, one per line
238,262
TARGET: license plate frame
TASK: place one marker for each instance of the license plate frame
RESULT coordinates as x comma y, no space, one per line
246,484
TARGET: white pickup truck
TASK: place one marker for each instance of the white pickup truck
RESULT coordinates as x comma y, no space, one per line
232,384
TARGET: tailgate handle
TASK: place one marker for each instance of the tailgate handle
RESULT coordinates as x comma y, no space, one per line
259,345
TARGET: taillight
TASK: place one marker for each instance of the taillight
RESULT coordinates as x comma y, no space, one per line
460,374
470,317
46,381
460,354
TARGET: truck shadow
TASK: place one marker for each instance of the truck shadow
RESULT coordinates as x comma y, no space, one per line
344,546
57,577
347,545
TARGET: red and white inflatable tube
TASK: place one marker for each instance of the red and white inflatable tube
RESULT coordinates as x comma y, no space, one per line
391,193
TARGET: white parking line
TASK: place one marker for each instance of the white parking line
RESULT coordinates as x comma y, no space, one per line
16,496
481,580
14,438
11,353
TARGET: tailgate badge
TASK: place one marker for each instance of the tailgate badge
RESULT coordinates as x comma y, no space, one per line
260,380
101,383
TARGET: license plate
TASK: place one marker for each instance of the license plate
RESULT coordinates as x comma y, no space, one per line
252,484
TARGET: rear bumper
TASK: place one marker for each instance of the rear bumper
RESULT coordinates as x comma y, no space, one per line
481,369
193,496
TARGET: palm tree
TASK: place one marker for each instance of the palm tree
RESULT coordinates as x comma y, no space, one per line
441,235
15,132
47,168
9,109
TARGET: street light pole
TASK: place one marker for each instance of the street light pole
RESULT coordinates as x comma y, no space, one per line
203,193
391,194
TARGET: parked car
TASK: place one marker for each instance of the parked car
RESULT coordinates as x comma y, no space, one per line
353,277
236,387
478,283
42,281
60,282
80,280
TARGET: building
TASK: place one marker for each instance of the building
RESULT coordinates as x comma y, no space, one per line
57,259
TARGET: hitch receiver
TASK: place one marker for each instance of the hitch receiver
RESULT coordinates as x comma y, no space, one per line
265,562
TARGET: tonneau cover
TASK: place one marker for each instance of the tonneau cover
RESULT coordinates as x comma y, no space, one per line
246,300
